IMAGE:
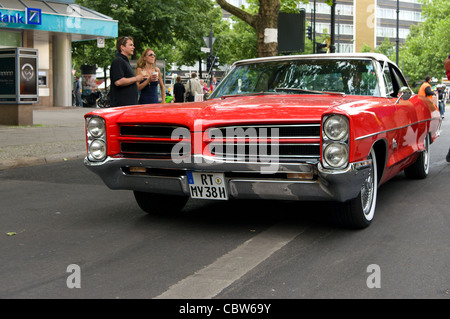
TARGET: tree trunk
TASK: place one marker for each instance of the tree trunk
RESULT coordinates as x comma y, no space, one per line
267,27
265,23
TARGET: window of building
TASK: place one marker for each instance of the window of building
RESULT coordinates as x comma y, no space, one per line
10,39
386,32
323,8
344,48
346,29
406,15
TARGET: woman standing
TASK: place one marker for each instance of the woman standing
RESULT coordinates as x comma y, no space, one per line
179,90
146,65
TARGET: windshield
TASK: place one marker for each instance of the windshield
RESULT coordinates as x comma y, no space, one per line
312,76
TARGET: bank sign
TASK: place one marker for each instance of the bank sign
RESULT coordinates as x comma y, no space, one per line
72,22
30,16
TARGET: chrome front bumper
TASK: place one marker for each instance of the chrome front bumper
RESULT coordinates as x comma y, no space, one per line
244,179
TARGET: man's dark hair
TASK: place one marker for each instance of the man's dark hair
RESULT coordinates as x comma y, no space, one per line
122,41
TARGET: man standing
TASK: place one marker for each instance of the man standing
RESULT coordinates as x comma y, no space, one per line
213,84
193,87
441,97
124,90
447,70
425,89
77,91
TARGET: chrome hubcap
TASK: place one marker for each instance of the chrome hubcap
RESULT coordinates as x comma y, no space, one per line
367,193
426,156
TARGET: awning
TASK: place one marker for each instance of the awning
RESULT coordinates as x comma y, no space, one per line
81,22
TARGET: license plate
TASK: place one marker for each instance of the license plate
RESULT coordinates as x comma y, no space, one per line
207,185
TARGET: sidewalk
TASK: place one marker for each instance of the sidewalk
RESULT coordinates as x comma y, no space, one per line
57,134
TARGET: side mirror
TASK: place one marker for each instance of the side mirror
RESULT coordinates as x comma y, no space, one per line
404,93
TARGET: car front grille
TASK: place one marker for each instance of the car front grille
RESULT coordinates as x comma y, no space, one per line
287,143
261,142
151,141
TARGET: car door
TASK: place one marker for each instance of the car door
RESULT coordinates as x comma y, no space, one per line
405,140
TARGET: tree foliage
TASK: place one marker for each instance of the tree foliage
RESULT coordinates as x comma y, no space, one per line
428,43
262,15
174,29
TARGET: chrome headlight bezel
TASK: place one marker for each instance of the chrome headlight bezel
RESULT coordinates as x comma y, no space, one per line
96,126
335,155
96,138
335,141
97,150
336,128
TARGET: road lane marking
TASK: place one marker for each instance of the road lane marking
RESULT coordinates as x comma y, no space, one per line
211,280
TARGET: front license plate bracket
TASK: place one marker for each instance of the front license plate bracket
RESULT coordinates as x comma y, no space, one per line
203,185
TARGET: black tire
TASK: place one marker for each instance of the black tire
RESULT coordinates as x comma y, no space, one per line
358,213
160,204
421,167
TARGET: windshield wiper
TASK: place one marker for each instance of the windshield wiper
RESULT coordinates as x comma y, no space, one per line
248,94
309,91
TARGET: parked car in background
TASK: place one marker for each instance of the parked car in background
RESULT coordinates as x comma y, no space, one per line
330,127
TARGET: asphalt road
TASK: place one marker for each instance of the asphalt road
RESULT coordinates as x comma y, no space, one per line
63,234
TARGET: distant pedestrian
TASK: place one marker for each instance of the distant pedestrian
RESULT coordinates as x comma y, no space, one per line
124,90
179,90
193,87
440,89
77,91
205,87
146,66
425,89
214,84
447,70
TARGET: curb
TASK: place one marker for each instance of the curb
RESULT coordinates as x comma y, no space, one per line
34,161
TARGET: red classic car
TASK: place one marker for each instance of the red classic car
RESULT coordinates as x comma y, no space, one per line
328,127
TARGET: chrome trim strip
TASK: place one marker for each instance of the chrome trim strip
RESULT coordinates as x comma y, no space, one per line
271,126
150,126
394,129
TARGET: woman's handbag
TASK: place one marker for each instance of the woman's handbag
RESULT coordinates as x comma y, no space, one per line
189,96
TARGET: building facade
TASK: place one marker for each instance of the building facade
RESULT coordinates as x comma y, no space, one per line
50,27
364,22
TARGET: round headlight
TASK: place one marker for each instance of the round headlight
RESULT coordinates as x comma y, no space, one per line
97,150
336,154
96,126
336,128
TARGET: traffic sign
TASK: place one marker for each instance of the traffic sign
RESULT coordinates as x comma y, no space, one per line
206,39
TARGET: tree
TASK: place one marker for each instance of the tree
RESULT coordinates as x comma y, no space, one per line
427,45
387,48
173,28
366,48
234,42
264,21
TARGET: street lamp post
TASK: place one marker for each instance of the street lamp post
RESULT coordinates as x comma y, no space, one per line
332,29
314,27
397,40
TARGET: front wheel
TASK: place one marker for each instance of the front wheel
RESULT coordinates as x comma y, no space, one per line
358,213
160,204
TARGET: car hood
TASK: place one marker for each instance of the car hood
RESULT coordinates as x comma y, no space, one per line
275,109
